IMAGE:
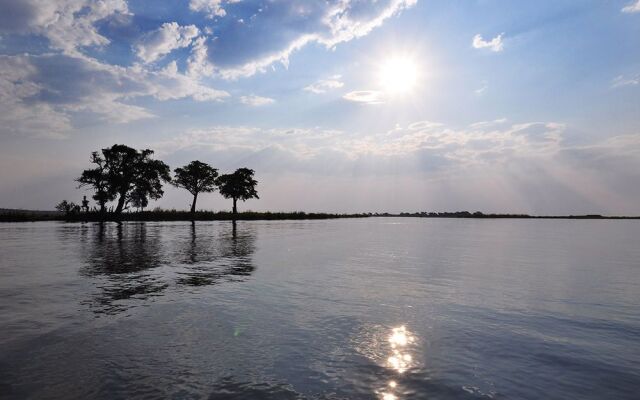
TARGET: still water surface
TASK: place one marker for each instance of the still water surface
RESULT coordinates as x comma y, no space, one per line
377,308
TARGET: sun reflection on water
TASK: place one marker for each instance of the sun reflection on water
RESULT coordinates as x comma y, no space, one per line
400,359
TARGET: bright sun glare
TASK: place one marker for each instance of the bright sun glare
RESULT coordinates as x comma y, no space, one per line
398,75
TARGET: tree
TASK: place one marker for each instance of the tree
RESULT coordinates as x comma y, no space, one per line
147,184
85,204
196,177
97,177
138,199
68,207
126,174
238,185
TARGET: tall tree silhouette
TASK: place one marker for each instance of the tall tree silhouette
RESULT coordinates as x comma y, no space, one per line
196,177
239,185
126,174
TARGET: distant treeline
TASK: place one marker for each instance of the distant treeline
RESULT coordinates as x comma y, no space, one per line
478,214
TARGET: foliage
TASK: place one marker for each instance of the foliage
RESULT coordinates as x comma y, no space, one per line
196,177
126,174
97,178
138,199
239,185
68,207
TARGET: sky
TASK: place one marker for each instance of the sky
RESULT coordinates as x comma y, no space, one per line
338,105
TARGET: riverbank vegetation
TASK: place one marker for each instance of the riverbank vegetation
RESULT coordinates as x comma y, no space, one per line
7,215
13,215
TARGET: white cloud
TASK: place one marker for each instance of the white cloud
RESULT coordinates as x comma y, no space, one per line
256,101
68,24
346,23
170,84
110,109
198,63
494,44
482,89
37,120
422,125
622,80
17,115
365,96
162,41
632,7
487,124
301,23
35,102
324,85
213,8
479,143
261,63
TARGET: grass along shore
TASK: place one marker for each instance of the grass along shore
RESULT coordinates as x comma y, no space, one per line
17,215
12,215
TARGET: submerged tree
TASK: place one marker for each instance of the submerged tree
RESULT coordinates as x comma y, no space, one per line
196,177
239,185
126,174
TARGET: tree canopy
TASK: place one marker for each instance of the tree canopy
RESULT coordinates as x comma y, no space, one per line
196,177
126,174
238,185
98,179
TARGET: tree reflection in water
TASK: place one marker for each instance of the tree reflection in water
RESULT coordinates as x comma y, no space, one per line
134,262
226,258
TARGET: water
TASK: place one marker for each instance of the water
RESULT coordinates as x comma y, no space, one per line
377,308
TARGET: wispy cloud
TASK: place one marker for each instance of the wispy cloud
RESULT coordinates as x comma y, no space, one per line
324,85
494,44
287,26
488,124
365,96
256,101
622,80
632,7
484,85
483,142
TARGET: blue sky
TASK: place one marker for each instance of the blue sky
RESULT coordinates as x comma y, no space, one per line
344,105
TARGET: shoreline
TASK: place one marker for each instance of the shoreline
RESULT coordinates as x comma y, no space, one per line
169,215
14,215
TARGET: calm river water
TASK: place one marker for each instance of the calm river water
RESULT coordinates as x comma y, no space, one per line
378,308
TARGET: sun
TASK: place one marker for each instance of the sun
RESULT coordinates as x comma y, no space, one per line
398,75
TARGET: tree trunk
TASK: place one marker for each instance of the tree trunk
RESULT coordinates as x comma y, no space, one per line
193,205
235,208
121,200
